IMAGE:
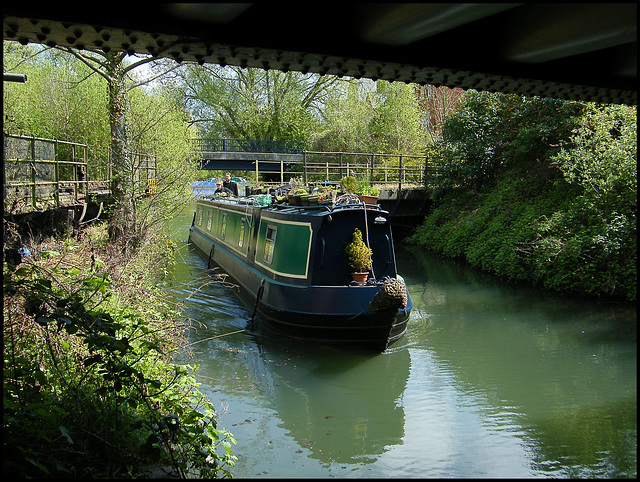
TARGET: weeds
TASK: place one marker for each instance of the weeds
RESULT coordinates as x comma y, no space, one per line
90,389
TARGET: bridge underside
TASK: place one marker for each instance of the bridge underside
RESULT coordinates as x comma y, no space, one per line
246,161
405,204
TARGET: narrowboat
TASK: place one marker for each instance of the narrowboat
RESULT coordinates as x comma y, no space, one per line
293,272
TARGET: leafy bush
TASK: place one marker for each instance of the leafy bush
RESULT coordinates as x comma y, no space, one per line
492,133
536,201
89,386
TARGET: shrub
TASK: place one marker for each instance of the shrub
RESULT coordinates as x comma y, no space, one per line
89,384
556,208
359,254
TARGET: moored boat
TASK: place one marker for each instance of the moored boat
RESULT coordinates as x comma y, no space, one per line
292,269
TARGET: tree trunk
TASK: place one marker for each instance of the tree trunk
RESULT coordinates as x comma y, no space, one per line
122,217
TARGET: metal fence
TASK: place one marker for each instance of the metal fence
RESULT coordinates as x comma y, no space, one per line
388,170
40,170
43,173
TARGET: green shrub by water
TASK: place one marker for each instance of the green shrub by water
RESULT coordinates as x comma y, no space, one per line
540,191
90,388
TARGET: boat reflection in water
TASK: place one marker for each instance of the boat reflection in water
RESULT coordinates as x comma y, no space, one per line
343,407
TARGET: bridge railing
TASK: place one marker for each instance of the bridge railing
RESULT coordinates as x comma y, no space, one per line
386,170
38,170
248,145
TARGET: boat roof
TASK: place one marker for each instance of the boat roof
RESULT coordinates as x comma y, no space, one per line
259,203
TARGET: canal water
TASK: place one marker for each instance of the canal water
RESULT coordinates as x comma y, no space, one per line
490,380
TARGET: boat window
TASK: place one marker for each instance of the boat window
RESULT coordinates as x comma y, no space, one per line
209,218
223,229
200,211
269,244
241,238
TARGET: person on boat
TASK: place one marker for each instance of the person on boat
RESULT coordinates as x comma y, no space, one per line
229,184
221,190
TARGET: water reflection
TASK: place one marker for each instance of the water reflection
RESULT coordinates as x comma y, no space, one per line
343,407
565,368
491,380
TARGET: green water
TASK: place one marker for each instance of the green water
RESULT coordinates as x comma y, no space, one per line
490,380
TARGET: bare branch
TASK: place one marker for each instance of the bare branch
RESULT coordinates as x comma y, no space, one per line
152,78
89,61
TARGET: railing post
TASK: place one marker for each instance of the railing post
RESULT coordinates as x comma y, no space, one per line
56,173
75,172
257,171
33,171
371,175
426,170
304,167
86,173
399,172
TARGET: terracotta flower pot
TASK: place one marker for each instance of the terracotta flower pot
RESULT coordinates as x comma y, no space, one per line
369,199
360,277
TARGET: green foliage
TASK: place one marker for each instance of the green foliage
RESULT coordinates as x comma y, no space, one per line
66,98
349,184
254,103
61,99
362,116
397,125
365,190
89,387
359,254
346,117
492,133
556,208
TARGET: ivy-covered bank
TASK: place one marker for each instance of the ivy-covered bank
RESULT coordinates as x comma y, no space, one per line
541,191
90,388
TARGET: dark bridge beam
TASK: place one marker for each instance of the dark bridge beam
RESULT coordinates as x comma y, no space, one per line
572,51
246,161
242,154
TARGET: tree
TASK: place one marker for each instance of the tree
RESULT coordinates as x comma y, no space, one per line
367,116
254,103
94,97
397,125
112,67
346,117
436,104
62,98
540,190
491,133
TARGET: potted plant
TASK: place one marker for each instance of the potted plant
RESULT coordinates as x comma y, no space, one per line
349,184
368,194
302,194
359,257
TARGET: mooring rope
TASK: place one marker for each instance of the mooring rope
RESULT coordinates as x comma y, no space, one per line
217,336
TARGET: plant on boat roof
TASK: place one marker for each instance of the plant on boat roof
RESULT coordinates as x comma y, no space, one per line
359,253
365,190
349,184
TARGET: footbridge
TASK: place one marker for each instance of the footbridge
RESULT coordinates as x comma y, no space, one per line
246,154
399,179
